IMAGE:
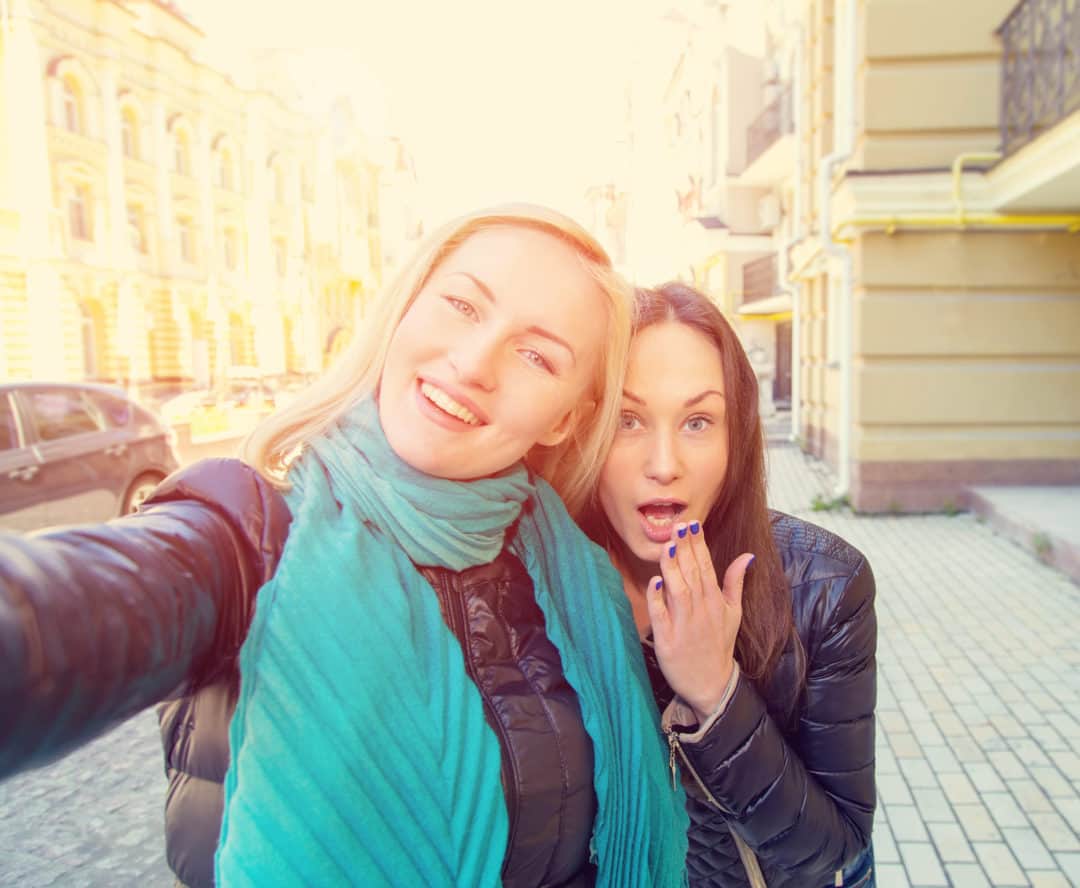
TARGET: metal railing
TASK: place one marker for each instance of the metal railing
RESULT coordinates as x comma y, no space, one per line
1040,68
759,279
774,121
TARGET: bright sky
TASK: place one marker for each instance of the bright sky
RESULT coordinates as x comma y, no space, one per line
497,99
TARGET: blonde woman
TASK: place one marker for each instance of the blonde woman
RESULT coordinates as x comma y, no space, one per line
392,645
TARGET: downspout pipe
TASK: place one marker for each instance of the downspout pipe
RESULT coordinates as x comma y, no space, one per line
789,286
836,250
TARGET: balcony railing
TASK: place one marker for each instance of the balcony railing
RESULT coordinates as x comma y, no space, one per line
772,123
1040,68
759,279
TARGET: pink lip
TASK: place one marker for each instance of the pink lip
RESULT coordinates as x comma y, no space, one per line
439,416
658,534
460,397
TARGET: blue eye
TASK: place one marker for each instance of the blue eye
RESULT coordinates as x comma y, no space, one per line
698,423
537,360
462,306
628,422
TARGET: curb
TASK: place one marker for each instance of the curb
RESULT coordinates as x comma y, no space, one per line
1043,544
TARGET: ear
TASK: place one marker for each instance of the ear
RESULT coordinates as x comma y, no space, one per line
561,430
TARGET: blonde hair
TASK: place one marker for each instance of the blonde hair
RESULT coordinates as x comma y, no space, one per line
572,467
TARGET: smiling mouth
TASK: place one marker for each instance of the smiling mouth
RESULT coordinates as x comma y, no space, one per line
448,405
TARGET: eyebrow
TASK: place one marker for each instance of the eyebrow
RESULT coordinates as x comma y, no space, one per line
690,402
538,331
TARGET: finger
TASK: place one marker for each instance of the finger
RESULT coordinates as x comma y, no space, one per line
688,564
657,605
678,593
709,583
735,577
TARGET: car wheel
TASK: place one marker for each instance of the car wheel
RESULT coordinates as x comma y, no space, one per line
140,489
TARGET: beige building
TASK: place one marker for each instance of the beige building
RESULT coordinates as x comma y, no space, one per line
160,220
935,251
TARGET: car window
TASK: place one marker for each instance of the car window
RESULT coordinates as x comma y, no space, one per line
60,414
9,430
118,410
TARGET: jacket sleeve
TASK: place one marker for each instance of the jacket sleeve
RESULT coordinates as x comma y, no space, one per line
804,806
99,621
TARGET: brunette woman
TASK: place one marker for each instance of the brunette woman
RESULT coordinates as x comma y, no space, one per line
766,677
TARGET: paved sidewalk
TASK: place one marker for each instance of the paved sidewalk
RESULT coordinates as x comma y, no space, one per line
978,691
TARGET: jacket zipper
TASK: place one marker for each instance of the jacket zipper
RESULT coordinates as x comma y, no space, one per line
673,745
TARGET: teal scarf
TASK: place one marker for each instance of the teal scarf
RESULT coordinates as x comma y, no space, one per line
359,750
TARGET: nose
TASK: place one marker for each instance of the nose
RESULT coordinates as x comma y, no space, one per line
664,464
474,359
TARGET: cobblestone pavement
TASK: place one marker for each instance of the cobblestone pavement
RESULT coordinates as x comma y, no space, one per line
92,820
978,732
979,679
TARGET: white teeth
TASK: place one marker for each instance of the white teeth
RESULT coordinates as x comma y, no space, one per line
445,402
658,521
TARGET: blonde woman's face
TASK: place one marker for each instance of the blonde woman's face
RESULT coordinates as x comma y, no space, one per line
495,355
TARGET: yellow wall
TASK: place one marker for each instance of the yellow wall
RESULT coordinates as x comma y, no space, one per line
930,81
966,344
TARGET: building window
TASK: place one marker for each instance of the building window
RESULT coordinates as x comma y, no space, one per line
129,134
231,249
72,107
182,154
79,219
224,172
185,235
281,257
137,229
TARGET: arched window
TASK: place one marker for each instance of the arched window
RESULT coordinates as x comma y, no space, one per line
185,236
230,247
129,133
137,228
181,153
224,177
79,210
71,103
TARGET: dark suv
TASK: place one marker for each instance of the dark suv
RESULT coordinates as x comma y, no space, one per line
76,452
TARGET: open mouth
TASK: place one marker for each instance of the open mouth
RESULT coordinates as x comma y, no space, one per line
660,517
448,405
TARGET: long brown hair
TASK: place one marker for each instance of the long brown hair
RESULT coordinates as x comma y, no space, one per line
739,520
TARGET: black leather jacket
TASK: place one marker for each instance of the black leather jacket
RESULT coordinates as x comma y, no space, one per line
97,623
793,775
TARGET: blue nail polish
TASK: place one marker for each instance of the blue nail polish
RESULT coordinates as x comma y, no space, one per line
671,551
659,585
681,532
694,527
750,563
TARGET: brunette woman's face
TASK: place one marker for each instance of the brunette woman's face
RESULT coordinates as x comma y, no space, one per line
670,453
494,356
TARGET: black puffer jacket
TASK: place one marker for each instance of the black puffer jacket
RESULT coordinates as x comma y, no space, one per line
794,776
173,590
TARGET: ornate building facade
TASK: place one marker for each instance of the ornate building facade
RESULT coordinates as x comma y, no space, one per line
160,221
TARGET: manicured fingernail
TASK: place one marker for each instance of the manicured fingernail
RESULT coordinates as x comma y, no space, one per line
681,530
694,527
671,551
750,562
659,585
